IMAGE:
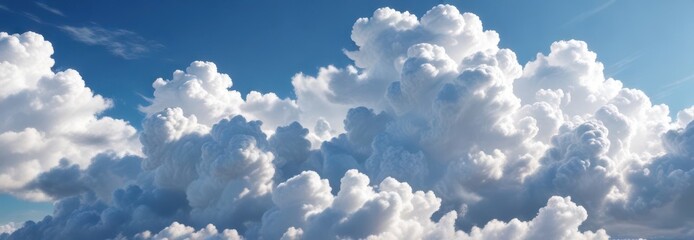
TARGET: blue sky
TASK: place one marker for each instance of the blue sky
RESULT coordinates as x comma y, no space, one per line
262,44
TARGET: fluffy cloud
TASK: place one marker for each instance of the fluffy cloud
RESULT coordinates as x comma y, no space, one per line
203,92
49,116
560,219
573,69
426,136
383,41
178,231
307,210
226,170
8,228
663,189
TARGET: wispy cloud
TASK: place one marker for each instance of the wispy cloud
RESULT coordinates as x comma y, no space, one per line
50,9
590,13
668,88
679,82
119,42
5,8
32,17
622,64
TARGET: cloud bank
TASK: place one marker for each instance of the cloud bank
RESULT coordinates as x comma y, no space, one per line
434,132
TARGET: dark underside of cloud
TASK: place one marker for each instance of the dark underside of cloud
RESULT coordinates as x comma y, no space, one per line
434,132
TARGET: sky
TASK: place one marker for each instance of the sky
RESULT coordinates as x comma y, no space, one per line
283,48
262,44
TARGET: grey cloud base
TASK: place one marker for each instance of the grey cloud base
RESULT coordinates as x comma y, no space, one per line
433,133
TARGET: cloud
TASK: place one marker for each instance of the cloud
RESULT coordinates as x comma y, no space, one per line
5,8
8,228
587,14
623,64
32,17
204,92
382,44
559,219
668,88
105,173
122,43
391,210
49,116
50,9
180,231
663,187
427,135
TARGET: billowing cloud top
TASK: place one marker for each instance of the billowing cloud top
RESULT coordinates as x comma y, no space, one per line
434,132
48,116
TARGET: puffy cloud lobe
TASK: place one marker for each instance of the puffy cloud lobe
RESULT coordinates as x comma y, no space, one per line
105,174
560,219
7,228
291,148
49,116
576,165
383,41
662,190
307,210
226,171
202,91
172,143
178,231
685,116
572,68
235,175
132,210
25,59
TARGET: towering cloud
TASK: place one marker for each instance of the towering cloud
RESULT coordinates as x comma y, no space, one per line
433,133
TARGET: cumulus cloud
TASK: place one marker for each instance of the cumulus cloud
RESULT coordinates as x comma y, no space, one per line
203,92
426,136
391,210
383,41
663,189
8,228
560,219
49,116
178,231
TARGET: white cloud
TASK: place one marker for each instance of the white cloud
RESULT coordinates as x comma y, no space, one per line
307,209
8,228
560,219
571,67
204,92
49,116
383,41
177,231
587,14
50,9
